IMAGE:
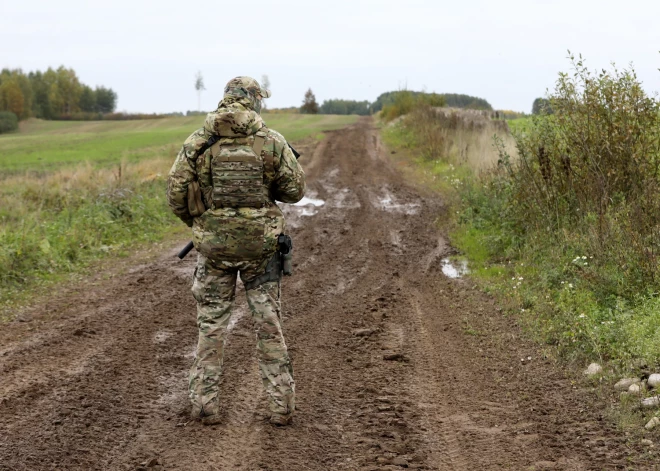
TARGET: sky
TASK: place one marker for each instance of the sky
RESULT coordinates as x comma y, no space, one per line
507,51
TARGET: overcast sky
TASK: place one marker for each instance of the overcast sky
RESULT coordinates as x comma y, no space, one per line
506,51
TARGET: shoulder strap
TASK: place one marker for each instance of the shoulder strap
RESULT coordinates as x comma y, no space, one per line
257,147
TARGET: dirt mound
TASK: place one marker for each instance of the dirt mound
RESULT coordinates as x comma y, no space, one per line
397,366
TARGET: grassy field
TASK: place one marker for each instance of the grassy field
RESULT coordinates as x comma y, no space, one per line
75,192
48,145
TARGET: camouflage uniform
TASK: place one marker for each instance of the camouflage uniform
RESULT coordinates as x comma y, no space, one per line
237,239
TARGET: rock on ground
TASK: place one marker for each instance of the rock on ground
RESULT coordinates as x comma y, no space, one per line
625,383
654,380
593,369
653,423
651,402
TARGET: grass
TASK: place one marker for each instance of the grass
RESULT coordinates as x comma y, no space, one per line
47,145
76,192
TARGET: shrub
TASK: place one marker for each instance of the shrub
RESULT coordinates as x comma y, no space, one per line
406,101
8,122
579,207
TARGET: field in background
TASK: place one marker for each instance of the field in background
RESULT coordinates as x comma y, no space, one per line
47,145
73,192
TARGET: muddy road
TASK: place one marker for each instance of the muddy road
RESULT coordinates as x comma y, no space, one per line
397,365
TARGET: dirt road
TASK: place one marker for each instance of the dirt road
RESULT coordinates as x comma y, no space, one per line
396,364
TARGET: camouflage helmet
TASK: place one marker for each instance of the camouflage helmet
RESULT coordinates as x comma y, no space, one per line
245,87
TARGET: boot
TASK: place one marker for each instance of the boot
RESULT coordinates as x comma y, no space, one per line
281,420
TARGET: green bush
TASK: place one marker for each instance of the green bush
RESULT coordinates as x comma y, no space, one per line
574,217
566,226
406,101
8,121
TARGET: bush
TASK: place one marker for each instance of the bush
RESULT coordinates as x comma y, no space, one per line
574,217
8,122
406,101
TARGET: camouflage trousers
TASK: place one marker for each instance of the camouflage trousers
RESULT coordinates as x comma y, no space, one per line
214,289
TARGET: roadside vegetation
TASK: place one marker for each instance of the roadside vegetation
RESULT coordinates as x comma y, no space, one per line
74,192
565,223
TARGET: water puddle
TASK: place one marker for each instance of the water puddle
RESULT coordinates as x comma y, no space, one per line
388,203
161,336
452,271
309,201
309,206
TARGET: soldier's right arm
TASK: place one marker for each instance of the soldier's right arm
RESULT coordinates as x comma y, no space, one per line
181,174
289,183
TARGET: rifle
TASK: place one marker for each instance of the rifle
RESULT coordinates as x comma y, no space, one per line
186,250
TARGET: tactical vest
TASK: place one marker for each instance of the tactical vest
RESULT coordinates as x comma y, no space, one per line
237,171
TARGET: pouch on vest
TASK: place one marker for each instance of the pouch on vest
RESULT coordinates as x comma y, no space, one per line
232,239
238,173
195,204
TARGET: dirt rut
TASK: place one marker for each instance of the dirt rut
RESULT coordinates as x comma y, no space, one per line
397,366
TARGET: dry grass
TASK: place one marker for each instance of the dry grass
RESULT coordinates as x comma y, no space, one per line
460,137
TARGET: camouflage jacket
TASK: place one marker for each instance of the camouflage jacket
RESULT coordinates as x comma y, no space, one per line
234,120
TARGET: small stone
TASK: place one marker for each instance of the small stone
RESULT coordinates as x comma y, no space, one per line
593,370
625,383
653,423
647,442
395,357
651,402
400,461
364,332
654,380
635,389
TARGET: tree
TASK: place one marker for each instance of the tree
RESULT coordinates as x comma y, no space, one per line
541,106
69,89
337,106
11,97
106,99
265,83
309,106
87,99
199,86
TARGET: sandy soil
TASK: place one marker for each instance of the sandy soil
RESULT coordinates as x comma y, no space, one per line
397,365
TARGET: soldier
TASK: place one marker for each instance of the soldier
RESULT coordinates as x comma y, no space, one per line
239,168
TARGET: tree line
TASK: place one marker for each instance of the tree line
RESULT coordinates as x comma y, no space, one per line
338,106
53,94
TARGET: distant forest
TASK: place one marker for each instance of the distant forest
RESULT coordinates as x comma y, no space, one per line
54,94
453,100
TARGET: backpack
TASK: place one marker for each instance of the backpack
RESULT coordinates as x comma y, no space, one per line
237,171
